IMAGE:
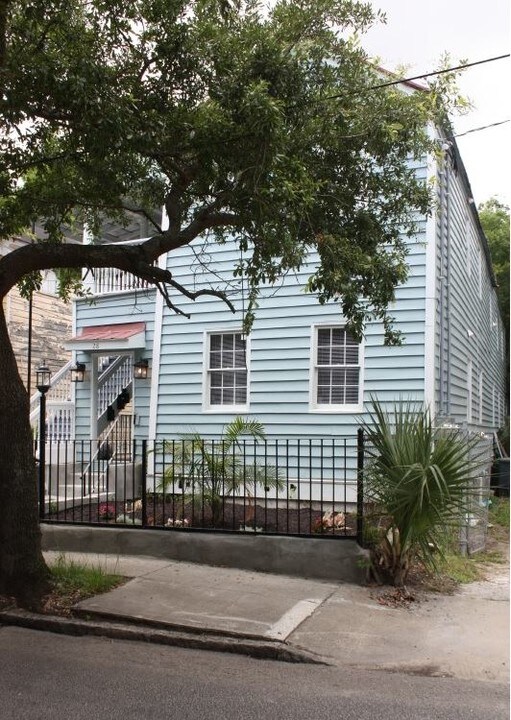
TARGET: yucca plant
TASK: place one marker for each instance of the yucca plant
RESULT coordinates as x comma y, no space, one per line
418,479
210,470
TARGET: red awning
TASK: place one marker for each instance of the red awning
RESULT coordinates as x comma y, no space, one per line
109,337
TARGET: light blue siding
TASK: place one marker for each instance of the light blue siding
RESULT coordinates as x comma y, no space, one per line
280,351
280,343
465,329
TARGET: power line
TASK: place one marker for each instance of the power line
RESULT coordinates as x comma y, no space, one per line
477,129
424,75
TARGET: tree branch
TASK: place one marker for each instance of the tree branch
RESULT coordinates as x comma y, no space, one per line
4,9
135,259
206,220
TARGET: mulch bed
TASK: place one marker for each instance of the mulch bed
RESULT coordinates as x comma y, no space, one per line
175,513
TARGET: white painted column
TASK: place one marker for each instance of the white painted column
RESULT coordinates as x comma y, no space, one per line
93,396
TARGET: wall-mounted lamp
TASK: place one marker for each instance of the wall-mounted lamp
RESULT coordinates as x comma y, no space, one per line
78,372
141,368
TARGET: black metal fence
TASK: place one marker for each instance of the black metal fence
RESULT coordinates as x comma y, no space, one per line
305,487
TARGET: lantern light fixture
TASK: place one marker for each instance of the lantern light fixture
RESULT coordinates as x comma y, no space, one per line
78,372
43,378
141,367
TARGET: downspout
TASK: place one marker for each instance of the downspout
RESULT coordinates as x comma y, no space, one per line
448,289
441,339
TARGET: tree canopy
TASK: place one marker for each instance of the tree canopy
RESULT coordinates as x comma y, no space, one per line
265,125
494,217
268,126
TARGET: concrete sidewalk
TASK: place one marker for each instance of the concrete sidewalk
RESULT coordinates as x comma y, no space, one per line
465,635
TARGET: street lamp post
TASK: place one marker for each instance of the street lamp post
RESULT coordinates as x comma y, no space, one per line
43,380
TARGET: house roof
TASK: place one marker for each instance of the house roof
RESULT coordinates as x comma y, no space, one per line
123,336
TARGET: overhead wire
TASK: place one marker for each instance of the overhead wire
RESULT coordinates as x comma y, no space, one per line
477,129
463,66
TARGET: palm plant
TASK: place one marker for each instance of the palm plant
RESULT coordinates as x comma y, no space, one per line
212,470
418,479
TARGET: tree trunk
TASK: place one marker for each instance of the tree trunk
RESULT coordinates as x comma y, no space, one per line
23,572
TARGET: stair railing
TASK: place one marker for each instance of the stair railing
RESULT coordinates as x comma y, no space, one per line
60,408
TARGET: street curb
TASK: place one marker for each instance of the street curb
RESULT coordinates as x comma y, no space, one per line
133,621
261,649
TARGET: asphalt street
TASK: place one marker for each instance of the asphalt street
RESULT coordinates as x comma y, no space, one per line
44,675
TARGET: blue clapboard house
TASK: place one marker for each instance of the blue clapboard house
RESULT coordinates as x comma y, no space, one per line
152,374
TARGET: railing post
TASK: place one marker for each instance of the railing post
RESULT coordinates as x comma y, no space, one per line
144,481
360,486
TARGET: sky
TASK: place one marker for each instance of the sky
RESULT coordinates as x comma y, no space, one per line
417,34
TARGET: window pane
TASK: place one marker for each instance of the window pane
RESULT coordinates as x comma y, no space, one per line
352,375
228,379
241,395
337,336
323,395
324,377
338,377
323,336
338,395
215,360
323,356
351,394
215,342
241,378
352,354
215,397
216,379
227,359
239,342
337,355
239,358
228,342
228,398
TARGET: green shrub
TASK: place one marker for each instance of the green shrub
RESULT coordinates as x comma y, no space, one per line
499,512
417,477
208,472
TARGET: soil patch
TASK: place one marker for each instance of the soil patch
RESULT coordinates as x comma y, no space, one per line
176,513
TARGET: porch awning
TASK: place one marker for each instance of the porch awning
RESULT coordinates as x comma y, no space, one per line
126,336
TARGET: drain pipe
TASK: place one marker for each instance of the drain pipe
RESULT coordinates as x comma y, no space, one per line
447,281
441,294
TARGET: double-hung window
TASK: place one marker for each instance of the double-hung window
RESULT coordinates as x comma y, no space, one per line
226,371
336,370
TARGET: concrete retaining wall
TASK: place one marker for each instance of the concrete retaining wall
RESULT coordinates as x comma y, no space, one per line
319,558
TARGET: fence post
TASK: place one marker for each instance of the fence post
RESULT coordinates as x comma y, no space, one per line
360,487
144,483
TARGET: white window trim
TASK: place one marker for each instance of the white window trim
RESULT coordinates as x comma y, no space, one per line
206,405
328,409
